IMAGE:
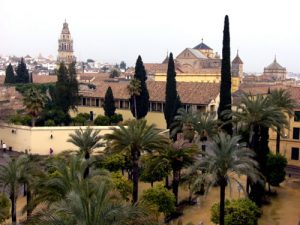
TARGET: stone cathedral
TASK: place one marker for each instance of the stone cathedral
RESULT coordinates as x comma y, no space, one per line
65,45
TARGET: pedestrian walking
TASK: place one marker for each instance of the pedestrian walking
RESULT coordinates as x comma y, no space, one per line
4,147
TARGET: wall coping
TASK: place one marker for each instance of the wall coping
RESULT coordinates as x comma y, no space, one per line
56,128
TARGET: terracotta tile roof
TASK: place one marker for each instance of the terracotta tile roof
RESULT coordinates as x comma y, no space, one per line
93,77
39,79
259,88
295,93
256,89
43,79
190,92
153,68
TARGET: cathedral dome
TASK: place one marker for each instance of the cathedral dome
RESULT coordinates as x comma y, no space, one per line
275,66
202,46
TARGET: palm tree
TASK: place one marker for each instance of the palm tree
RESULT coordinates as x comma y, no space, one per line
206,126
183,122
177,156
134,89
282,99
65,177
256,114
225,158
135,139
34,101
87,141
11,177
257,111
33,170
88,201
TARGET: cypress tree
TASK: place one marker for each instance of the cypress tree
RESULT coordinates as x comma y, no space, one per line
22,73
225,90
109,103
66,88
171,96
261,148
142,100
73,86
9,75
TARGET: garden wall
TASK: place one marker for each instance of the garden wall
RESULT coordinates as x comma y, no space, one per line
38,140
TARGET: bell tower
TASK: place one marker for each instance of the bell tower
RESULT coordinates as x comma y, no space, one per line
65,45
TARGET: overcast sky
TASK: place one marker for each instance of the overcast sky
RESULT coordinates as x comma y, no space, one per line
115,30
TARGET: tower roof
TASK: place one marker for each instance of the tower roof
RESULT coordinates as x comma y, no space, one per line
65,29
237,59
166,60
202,46
275,66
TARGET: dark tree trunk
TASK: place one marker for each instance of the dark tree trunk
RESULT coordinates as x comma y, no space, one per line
152,184
24,189
222,202
176,178
13,208
135,176
278,141
28,198
167,182
135,109
87,169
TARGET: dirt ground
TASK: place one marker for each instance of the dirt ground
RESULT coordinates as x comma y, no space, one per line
283,210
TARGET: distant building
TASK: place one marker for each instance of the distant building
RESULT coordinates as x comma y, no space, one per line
198,64
65,46
274,72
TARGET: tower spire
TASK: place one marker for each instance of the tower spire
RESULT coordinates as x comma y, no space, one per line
275,60
65,45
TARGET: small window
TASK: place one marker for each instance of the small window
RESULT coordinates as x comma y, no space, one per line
296,132
97,102
297,116
83,101
126,104
295,154
159,108
117,104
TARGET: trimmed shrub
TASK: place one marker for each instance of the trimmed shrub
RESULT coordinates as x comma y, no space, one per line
49,123
102,121
116,118
276,165
161,198
123,185
237,212
4,207
20,120
114,162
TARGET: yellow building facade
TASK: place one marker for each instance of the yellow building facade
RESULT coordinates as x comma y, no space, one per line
290,142
203,97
